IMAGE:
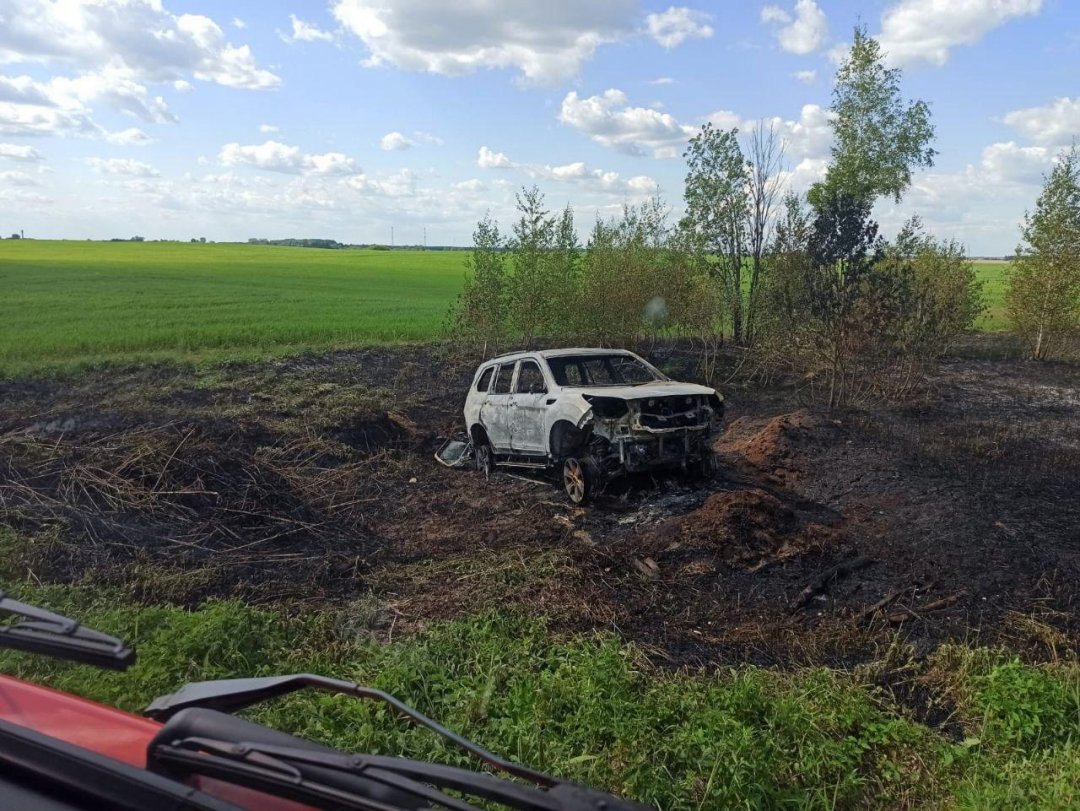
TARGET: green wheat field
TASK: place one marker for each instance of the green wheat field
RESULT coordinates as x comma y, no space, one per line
67,304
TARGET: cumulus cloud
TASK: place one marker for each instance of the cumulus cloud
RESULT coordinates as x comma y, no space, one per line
139,36
488,159
915,31
396,141
1009,163
122,166
578,172
610,120
399,184
274,156
1056,123
14,152
132,136
265,128
545,42
678,24
306,32
801,31
16,178
805,76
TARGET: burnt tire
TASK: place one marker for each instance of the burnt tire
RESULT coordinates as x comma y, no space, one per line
703,467
581,478
485,460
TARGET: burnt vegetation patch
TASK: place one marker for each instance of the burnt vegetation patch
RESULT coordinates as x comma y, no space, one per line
310,483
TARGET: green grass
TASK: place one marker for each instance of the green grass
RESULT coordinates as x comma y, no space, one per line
995,279
591,708
69,304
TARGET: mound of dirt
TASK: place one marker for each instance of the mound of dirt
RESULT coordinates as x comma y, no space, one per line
743,529
776,446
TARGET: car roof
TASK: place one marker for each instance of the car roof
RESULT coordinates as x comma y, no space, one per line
556,353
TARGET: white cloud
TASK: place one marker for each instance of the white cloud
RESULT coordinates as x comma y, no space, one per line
399,184
14,152
238,23
1056,123
802,32
678,24
1009,163
805,76
139,36
395,141
183,86
306,32
265,128
925,30
132,136
546,42
273,156
473,184
609,120
595,180
16,178
122,166
487,159
662,80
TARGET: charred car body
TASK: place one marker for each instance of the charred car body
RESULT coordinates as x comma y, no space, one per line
595,413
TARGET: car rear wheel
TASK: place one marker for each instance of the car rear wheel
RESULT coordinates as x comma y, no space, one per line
581,478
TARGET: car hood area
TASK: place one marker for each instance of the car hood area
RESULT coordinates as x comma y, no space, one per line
664,388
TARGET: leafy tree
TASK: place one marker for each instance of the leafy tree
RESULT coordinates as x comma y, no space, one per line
715,225
947,295
481,308
763,191
878,138
529,289
1044,293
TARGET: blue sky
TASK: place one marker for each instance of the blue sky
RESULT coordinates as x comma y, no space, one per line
173,119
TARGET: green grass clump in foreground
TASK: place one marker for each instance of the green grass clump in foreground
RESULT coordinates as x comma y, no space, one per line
591,709
69,304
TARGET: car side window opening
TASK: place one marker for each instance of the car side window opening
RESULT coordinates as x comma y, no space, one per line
530,379
484,383
600,370
503,381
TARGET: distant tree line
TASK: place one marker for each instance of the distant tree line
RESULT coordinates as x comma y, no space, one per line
803,285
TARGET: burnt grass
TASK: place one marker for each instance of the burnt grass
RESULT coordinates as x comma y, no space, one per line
310,483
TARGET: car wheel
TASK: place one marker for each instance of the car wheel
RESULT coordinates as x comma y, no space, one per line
485,460
581,478
702,468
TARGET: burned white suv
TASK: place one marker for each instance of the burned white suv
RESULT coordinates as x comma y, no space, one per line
595,413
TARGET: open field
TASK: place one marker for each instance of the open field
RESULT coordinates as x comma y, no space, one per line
72,304
67,304
296,504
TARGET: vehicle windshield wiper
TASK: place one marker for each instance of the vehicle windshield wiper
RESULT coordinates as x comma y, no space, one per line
199,738
367,782
53,635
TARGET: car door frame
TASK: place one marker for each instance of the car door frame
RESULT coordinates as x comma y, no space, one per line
527,416
495,410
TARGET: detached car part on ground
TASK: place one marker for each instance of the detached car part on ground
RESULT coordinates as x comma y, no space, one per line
59,752
593,414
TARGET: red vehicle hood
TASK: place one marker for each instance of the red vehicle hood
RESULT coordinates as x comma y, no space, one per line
110,732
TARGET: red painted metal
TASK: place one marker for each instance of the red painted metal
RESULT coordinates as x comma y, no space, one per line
110,732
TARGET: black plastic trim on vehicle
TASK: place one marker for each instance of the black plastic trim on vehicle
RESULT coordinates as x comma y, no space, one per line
60,768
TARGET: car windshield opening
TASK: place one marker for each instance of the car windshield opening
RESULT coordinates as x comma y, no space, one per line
601,370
